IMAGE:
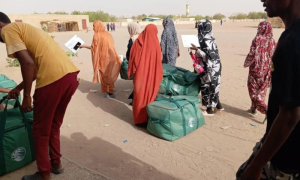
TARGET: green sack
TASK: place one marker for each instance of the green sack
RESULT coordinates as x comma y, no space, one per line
179,81
169,87
8,84
174,117
179,75
124,70
3,77
16,142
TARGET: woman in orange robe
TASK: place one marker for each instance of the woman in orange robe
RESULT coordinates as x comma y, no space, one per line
146,66
106,61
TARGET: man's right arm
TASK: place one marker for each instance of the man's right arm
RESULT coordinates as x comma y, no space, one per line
14,93
21,85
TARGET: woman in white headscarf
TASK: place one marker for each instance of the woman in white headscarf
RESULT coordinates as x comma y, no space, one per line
134,30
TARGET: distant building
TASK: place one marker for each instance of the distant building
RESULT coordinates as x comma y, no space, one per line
53,22
151,19
124,20
187,10
185,19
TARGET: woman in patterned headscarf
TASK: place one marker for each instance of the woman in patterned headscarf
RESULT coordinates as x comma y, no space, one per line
211,77
259,62
169,42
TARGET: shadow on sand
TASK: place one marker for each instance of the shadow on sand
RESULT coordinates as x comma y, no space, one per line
109,160
118,107
240,112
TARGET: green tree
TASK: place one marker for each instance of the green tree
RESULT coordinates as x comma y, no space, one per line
257,15
239,16
219,16
199,17
97,15
208,17
76,13
140,17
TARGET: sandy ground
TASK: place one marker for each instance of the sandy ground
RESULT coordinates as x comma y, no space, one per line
94,128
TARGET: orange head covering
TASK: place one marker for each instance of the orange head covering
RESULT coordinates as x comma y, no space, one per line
145,63
98,28
105,58
146,43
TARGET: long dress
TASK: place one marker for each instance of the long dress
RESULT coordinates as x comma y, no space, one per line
169,43
259,62
145,64
106,61
211,77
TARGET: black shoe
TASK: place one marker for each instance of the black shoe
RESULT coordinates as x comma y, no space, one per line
210,111
220,107
252,112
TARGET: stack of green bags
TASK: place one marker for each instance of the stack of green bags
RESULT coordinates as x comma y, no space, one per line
179,115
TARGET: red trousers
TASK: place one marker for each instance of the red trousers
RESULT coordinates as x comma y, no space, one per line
50,104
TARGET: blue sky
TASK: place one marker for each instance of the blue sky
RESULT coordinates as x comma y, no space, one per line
132,7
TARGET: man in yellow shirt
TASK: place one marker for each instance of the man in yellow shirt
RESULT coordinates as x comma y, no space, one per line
41,59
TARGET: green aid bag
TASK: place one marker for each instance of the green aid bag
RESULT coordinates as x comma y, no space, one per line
3,77
174,117
169,87
124,70
16,141
178,81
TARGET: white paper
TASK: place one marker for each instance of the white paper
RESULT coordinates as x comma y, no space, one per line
73,42
188,40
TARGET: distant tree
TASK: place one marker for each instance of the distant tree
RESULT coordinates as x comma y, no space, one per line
263,15
257,15
140,17
199,17
97,15
219,16
208,17
239,16
76,13
171,16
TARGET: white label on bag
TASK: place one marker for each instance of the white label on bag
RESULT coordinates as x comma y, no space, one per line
19,154
192,122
